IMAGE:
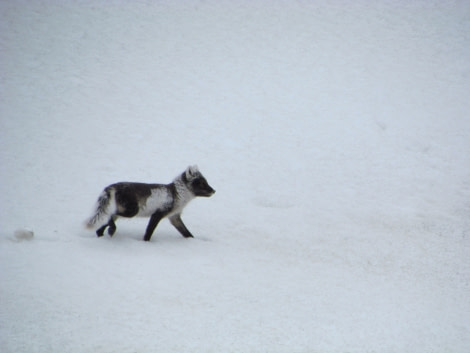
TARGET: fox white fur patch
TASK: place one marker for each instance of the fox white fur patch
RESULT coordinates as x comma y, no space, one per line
158,199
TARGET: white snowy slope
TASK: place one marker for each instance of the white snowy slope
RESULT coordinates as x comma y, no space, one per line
337,136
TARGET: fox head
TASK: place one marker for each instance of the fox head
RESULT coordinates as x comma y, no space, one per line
196,182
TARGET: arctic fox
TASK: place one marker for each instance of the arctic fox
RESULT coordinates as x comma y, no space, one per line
149,200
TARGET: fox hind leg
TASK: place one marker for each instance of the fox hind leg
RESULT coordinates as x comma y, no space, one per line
112,226
101,230
111,229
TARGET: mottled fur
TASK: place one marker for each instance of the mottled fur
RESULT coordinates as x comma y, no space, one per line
149,200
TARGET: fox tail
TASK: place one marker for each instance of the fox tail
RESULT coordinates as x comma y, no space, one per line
104,209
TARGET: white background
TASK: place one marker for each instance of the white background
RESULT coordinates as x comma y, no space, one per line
337,136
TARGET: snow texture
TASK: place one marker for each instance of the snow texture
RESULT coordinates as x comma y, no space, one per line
337,136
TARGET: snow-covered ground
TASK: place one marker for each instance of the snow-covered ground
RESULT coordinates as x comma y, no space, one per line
337,136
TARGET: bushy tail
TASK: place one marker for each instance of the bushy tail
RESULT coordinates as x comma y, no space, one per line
105,208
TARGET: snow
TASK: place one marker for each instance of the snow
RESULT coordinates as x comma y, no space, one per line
336,134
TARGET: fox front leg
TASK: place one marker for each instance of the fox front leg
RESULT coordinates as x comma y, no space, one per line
178,224
154,219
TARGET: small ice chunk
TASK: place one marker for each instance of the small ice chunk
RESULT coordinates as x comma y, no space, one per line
24,234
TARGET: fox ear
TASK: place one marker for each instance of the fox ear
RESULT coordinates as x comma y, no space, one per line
191,171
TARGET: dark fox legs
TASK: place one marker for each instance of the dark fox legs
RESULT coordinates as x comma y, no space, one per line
175,221
154,220
178,224
111,229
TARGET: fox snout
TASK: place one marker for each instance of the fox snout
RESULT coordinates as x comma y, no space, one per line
200,187
208,192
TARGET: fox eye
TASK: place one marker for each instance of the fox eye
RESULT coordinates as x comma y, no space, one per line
199,182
